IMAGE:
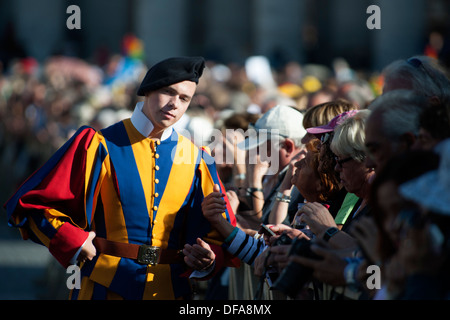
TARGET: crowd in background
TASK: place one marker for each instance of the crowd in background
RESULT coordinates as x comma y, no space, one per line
42,104
385,134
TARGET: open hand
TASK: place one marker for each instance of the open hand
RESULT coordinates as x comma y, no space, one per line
198,256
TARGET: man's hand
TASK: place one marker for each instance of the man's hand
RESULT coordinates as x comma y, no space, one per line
272,256
214,205
317,217
366,233
260,262
256,170
198,256
88,251
290,232
330,269
287,183
234,200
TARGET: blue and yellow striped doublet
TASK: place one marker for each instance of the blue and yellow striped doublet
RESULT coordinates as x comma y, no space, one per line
133,189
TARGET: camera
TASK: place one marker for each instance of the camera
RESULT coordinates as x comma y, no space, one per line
272,273
294,277
264,231
283,239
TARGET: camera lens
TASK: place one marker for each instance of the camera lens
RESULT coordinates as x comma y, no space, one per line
283,239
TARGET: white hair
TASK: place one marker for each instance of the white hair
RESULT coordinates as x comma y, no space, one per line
422,74
400,112
349,136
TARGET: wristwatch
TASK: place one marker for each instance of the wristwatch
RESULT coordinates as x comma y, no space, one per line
329,233
283,198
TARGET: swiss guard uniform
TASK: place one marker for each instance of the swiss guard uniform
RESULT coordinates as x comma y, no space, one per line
142,197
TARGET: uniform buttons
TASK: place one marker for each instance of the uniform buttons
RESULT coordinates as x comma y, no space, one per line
156,168
156,156
156,180
158,142
155,208
156,195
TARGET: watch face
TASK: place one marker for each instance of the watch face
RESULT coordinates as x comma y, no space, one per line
332,231
329,233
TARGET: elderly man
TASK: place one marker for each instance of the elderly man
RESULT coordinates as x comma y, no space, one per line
277,141
126,201
393,125
421,74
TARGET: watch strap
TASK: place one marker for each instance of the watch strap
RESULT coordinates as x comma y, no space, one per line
330,233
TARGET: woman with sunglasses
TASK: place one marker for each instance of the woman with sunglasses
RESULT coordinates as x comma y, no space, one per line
348,147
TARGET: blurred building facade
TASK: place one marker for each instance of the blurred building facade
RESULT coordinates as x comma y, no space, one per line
307,31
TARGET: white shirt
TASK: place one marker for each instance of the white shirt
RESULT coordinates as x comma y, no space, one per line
144,125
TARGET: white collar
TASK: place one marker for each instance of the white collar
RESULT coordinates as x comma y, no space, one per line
144,125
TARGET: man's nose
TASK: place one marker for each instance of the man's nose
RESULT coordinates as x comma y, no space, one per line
174,102
369,162
337,167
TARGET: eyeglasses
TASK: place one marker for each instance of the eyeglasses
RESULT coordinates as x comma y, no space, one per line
325,137
341,162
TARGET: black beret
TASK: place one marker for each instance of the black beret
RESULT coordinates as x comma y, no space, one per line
170,71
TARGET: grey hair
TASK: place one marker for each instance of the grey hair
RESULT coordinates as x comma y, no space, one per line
400,112
349,136
422,74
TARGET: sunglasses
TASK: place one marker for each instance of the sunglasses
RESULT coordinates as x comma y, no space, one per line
341,162
325,137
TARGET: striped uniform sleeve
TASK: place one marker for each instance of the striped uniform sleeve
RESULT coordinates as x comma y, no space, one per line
49,208
246,248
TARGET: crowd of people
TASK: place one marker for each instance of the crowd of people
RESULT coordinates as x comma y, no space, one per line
356,209
361,181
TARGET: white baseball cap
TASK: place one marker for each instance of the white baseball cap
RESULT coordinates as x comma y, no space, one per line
282,121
